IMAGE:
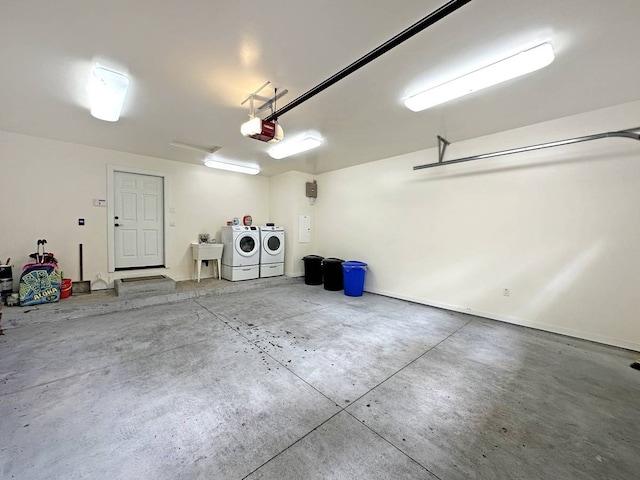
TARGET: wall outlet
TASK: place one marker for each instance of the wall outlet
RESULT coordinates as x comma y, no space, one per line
506,292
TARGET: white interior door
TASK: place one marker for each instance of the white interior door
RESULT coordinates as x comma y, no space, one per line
138,221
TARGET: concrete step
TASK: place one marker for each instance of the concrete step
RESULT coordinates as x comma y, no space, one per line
100,302
136,287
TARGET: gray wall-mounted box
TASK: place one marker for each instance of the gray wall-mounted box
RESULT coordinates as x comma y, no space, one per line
312,189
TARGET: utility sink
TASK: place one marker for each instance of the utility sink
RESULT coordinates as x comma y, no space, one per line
205,252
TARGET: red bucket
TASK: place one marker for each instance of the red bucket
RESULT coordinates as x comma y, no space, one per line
65,288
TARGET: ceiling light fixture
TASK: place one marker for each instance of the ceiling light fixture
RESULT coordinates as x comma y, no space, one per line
514,66
286,149
107,90
232,167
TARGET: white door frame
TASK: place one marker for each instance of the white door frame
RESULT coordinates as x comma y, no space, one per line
111,169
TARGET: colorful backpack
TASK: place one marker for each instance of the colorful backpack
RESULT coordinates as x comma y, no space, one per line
40,281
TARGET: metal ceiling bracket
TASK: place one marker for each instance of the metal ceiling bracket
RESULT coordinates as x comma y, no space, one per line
252,97
268,102
631,133
443,143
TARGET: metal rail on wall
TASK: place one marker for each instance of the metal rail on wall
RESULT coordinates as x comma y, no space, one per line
443,143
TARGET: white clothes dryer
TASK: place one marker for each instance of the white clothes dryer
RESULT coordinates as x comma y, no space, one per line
241,253
271,251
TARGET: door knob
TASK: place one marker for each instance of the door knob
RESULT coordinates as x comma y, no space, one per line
116,225
116,217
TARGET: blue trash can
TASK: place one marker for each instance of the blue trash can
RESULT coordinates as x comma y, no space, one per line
354,277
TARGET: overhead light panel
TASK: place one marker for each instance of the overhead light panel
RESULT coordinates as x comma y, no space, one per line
511,67
107,90
232,167
292,147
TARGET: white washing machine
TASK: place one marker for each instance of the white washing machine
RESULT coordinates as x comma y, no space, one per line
271,251
241,252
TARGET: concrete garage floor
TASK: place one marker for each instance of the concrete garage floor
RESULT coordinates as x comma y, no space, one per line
289,381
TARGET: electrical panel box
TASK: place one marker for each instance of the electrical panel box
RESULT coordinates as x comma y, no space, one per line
304,229
312,189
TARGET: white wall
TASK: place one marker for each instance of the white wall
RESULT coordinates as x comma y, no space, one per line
48,185
288,202
559,227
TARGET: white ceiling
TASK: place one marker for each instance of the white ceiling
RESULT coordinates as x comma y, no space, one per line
192,62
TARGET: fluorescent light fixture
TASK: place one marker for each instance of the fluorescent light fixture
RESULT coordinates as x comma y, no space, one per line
292,147
107,90
511,67
232,167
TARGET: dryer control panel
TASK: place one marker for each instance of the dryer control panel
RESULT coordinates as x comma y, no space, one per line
240,228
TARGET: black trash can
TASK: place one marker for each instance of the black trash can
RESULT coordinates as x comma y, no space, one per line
313,269
333,274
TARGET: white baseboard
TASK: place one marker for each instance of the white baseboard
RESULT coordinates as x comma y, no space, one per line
614,342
